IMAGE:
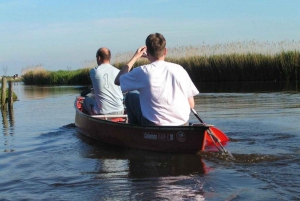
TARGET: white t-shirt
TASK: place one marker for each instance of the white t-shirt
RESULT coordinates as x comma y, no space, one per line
108,96
164,91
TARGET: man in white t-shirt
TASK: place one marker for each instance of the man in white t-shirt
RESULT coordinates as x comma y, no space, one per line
108,97
160,93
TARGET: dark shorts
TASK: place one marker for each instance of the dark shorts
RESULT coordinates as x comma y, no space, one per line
133,109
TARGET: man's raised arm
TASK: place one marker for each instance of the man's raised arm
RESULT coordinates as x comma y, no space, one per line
125,69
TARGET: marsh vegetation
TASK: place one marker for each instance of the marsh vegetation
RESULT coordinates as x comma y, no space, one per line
239,62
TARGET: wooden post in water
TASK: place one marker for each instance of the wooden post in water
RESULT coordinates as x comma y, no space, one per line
3,93
11,102
10,95
5,122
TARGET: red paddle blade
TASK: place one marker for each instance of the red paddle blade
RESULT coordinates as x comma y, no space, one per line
218,133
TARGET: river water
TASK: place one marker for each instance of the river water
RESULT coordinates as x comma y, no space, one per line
43,158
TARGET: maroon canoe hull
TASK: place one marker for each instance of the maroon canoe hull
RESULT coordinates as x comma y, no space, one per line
182,139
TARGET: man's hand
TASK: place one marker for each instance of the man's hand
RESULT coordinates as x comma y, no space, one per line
141,52
125,69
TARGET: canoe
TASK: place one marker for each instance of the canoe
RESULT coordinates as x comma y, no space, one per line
114,129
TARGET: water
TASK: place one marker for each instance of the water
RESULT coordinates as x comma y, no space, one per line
43,158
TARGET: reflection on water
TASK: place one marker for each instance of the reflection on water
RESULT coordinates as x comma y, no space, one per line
7,117
167,175
11,116
8,126
248,87
25,92
140,163
4,118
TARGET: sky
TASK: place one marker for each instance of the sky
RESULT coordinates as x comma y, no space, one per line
65,35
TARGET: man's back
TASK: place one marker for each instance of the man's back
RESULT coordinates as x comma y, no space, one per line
164,91
108,96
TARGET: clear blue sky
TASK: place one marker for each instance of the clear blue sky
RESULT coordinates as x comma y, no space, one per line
65,34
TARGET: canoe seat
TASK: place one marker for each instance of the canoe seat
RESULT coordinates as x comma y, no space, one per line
118,119
114,118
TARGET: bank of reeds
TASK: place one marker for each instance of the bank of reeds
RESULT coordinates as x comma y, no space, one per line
284,66
248,61
40,76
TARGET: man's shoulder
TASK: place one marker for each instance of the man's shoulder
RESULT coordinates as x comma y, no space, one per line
175,67
173,64
92,70
107,66
113,67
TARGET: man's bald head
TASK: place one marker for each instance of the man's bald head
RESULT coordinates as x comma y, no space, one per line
104,54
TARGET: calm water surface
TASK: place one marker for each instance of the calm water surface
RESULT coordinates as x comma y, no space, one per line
43,158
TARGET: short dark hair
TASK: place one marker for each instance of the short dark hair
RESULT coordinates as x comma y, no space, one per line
156,44
104,53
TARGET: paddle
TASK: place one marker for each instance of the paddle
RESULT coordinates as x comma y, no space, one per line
218,134
214,139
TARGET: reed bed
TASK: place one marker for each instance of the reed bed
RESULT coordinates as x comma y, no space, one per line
40,76
283,66
240,61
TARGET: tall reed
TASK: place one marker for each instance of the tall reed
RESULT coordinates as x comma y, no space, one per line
283,66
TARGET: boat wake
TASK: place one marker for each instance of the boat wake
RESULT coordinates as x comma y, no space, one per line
241,158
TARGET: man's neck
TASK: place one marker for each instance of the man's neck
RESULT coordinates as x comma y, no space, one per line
103,62
153,59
